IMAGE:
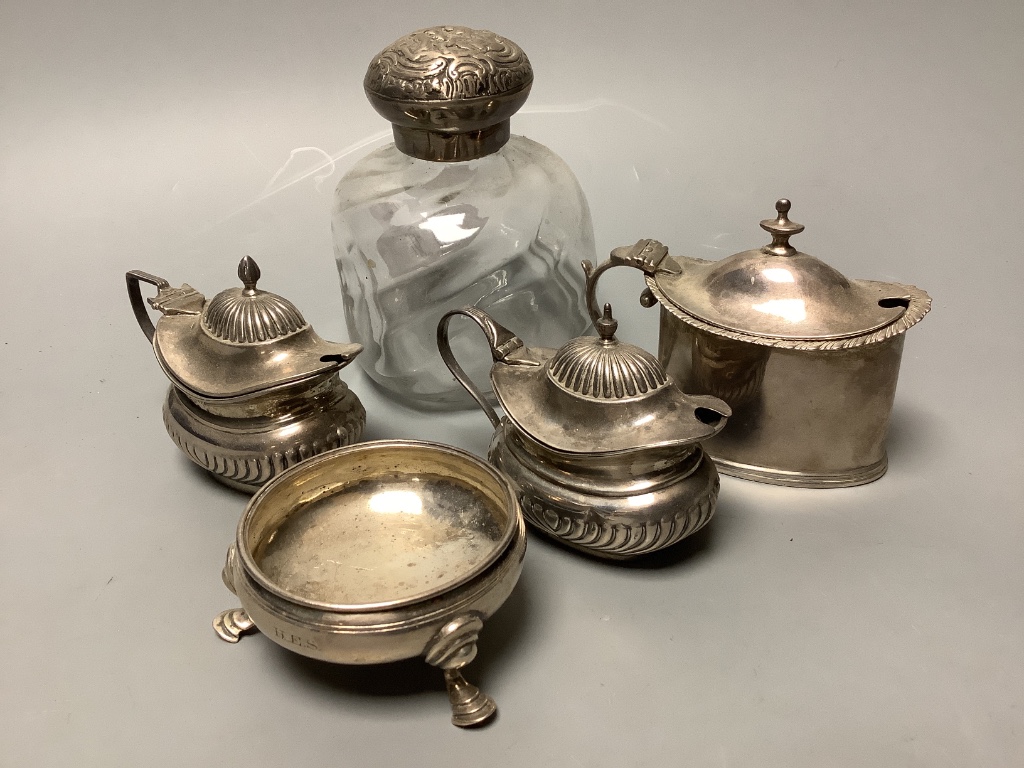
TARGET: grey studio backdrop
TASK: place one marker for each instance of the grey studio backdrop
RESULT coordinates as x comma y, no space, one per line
879,625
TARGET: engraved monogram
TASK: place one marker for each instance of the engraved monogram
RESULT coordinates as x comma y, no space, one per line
292,639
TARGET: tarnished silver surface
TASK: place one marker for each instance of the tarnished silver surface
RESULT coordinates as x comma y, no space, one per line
449,91
603,448
378,552
254,389
807,359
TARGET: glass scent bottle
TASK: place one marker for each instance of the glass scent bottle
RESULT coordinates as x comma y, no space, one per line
455,212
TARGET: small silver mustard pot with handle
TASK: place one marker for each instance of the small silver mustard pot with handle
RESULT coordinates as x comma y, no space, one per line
807,358
602,447
254,390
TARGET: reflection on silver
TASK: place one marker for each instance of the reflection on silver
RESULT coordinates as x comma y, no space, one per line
792,310
778,275
396,502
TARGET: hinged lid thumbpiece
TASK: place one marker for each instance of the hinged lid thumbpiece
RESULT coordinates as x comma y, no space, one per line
242,342
449,91
782,295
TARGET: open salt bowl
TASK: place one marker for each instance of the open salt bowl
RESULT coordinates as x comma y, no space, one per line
378,552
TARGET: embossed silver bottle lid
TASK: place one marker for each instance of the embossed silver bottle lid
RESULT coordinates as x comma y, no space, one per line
241,342
778,292
449,91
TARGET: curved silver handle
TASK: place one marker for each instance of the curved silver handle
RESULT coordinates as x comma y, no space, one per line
645,255
501,340
133,278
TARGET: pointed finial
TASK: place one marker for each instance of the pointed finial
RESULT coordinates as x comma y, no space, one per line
607,325
781,229
249,274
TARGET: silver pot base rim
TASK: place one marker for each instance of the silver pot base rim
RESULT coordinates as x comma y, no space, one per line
798,479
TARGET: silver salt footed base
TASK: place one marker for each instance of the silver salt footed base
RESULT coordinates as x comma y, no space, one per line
380,552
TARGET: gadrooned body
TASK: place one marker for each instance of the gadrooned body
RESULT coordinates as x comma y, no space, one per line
247,442
614,507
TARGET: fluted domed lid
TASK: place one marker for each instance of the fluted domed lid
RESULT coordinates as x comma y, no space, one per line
242,342
248,315
598,395
604,368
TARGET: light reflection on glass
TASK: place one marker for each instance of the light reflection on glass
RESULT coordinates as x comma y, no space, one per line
396,502
792,310
778,275
448,229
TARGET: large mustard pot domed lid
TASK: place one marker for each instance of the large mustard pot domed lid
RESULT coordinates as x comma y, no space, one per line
595,395
244,341
779,295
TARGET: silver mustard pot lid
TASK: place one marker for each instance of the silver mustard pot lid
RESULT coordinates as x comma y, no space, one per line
778,293
596,395
241,342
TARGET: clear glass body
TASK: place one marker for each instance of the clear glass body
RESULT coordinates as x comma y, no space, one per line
415,238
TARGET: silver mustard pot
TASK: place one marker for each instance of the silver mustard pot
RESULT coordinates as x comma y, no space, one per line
602,447
807,358
254,390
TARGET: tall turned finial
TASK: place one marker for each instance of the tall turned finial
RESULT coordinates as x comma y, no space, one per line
781,229
607,325
249,274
